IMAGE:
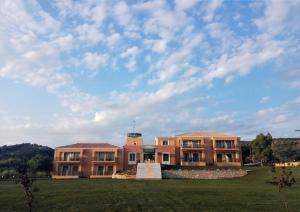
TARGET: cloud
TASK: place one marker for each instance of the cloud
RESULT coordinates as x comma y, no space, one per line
159,46
210,9
122,13
130,52
265,99
113,40
274,16
95,60
172,59
185,5
89,33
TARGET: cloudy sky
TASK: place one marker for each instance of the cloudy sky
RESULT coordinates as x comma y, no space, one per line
75,71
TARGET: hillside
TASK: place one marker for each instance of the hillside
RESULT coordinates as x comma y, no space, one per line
24,151
27,152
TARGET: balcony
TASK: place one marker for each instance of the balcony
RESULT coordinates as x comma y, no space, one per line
68,174
71,159
228,147
192,146
228,162
105,160
103,173
192,162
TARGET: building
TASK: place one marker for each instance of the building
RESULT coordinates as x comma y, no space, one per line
101,160
89,160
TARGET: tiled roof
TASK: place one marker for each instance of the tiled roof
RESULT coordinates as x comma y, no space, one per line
89,145
205,134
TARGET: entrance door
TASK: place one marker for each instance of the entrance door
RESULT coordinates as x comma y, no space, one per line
149,157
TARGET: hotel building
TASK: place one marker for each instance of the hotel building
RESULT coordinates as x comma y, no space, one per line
102,160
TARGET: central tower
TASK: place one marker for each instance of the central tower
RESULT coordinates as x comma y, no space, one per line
134,139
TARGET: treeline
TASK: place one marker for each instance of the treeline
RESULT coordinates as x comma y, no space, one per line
266,149
37,156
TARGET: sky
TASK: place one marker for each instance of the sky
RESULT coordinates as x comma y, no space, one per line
82,71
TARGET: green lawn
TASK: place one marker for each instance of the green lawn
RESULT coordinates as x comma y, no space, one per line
249,193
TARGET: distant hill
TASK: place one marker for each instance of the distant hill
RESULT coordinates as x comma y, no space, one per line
24,151
28,152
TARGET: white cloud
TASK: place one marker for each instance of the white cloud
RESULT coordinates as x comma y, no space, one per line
98,13
186,4
64,43
159,46
94,61
113,40
243,61
210,9
265,99
130,52
275,13
122,13
89,33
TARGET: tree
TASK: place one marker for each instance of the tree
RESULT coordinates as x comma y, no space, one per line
284,180
26,177
261,148
286,150
41,163
245,146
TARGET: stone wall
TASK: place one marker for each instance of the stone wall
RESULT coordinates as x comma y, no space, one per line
202,174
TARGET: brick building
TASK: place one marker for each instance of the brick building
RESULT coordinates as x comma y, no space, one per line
102,160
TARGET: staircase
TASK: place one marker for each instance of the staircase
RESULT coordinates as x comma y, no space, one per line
148,171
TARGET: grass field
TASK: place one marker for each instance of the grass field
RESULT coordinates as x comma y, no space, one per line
249,193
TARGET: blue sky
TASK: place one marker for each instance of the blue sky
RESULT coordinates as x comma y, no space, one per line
82,71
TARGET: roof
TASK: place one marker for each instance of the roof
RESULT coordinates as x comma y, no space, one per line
89,145
205,134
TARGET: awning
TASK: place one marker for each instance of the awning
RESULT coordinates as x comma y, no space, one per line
149,150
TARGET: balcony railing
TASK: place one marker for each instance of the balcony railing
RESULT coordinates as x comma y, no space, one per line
97,159
72,159
191,160
68,173
192,146
105,173
224,160
227,147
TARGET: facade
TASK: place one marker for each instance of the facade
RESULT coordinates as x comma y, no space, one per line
89,160
102,160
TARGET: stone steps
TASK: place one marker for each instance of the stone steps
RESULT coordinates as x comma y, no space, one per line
148,171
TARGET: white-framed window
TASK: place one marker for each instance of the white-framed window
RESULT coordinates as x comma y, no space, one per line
165,142
166,158
132,158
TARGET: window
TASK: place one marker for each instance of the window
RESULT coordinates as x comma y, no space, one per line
186,157
165,142
196,144
71,156
69,170
109,170
101,156
219,158
131,158
104,170
228,144
196,157
105,156
100,170
166,158
229,157
110,156
224,143
185,143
